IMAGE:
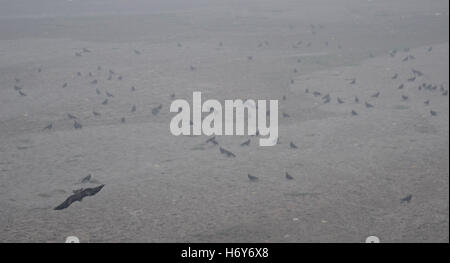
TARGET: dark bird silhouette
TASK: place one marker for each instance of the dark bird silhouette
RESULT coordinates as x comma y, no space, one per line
292,81
172,96
212,140
289,177
71,117
96,113
376,95
316,93
64,85
405,59
417,72
252,178
249,57
78,196
353,81
137,52
326,97
17,88
246,143
105,102
395,76
412,79
133,88
226,152
122,120
22,93
354,113
406,199
97,91
156,110
340,101
192,68
85,50
94,82
109,94
356,99
404,97
293,146
285,115
401,86
77,125
327,100
368,105
445,93
427,102
48,127
433,113
133,109
86,179
306,90
119,77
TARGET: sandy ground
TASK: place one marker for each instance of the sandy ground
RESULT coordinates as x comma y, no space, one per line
350,172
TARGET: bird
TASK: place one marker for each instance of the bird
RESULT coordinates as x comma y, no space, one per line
252,178
427,102
340,101
292,81
430,49
156,110
285,115
70,116
22,93
192,68
137,52
306,90
395,76
353,81
226,152
288,176
111,72
133,88
293,146
48,127
133,109
97,91
119,77
354,113
445,93
64,85
406,199
77,125
376,95
17,88
246,143
86,179
404,97
356,99
85,50
417,72
105,102
368,105
96,113
327,100
90,74
212,140
94,82
401,86
250,57
78,196
405,59
433,113
412,79
109,94
316,93
122,120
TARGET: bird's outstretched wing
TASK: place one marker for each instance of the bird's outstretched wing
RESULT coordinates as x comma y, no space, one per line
78,196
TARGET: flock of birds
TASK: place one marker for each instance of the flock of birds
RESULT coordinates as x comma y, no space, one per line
368,103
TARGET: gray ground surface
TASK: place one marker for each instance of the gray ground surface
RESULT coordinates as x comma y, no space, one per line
350,172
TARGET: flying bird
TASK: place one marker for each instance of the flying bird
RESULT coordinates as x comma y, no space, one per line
354,113
78,196
212,140
340,101
48,127
395,76
293,146
246,143
71,117
133,109
404,97
64,85
368,105
406,199
356,99
109,94
22,93
226,152
156,110
77,125
252,178
288,176
376,95
433,113
401,86
105,102
96,113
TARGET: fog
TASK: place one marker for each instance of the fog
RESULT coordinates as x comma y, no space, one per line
363,132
